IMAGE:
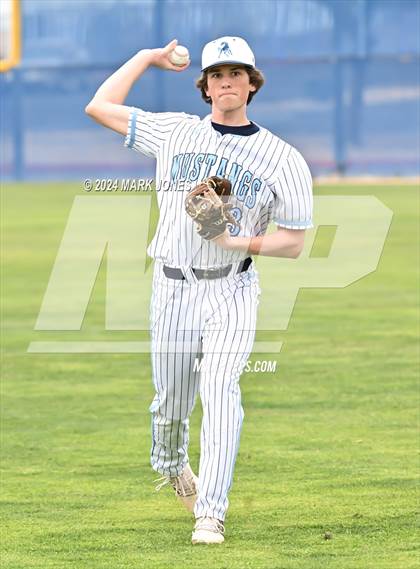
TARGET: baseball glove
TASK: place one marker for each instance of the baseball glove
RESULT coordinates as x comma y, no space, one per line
207,204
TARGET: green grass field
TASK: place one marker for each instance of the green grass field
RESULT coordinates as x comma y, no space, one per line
329,441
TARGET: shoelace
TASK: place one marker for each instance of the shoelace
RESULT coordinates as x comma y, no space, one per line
210,524
163,480
181,485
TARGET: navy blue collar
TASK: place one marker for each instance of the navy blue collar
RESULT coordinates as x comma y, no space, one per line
244,130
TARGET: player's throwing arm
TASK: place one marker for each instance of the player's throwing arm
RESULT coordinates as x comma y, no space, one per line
107,106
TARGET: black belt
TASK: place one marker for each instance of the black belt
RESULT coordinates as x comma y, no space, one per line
173,273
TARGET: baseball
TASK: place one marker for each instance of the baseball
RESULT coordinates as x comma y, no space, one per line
179,56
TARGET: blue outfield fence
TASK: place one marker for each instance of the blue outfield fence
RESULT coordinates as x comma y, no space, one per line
342,80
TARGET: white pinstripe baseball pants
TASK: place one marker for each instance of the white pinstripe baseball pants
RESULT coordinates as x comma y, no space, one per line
212,322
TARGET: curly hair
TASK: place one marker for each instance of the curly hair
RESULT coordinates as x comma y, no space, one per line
256,78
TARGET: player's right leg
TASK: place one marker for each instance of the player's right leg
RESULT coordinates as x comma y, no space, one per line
176,343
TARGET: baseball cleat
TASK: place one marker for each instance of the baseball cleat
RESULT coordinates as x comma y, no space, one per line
208,531
185,486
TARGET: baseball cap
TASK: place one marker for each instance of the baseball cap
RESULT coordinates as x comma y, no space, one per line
227,50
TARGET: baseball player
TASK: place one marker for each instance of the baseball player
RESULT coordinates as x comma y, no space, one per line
205,285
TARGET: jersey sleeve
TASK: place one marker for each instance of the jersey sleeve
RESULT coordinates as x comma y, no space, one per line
293,202
147,132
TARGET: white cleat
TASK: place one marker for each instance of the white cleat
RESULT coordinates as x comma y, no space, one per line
208,530
185,486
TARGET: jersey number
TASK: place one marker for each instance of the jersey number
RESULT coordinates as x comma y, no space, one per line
237,214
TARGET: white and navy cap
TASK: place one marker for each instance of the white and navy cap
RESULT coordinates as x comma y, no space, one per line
227,50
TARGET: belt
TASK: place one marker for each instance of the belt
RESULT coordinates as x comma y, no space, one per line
174,273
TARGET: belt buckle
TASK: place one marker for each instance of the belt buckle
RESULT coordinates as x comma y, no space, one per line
207,273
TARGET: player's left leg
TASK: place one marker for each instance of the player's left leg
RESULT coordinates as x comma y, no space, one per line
227,343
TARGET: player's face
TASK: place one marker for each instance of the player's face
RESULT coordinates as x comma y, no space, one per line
228,87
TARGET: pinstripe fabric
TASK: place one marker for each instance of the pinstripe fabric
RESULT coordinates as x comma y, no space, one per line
203,317
213,321
270,182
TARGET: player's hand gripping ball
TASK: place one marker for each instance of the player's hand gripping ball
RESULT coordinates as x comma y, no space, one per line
179,55
207,204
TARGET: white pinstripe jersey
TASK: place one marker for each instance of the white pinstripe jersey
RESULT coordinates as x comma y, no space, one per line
270,182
